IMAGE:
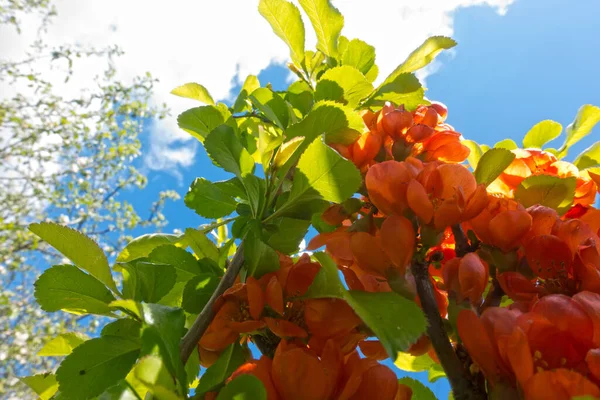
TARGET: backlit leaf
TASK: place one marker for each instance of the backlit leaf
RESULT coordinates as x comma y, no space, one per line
284,17
194,91
327,22
542,133
492,164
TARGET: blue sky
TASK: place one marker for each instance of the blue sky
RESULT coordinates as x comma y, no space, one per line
539,61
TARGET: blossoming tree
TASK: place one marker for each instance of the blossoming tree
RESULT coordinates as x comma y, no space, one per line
478,263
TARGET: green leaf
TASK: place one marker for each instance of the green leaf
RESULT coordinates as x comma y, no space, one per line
208,200
244,387
546,190
507,144
44,385
163,328
422,56
372,74
323,174
62,344
345,84
475,154
272,105
143,245
152,373
67,288
229,360
300,96
404,89
197,292
78,248
288,234
492,164
186,266
327,22
435,372
129,307
340,124
419,391
256,190
359,55
95,366
250,85
589,158
397,322
192,369
542,133
410,363
125,327
269,138
201,244
194,91
201,121
227,152
587,117
146,281
260,258
327,281
284,17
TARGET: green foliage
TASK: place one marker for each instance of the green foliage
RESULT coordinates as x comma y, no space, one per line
284,17
143,245
250,85
345,84
201,121
492,164
507,144
589,158
66,287
209,200
542,133
146,281
359,55
231,358
327,282
44,385
78,248
327,22
587,117
194,91
419,391
475,154
422,56
549,191
225,149
62,344
197,292
403,89
260,258
396,321
244,387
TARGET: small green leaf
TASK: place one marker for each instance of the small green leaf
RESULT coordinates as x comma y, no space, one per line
96,365
62,344
129,307
244,387
78,248
256,190
475,154
546,190
146,281
288,235
542,133
345,84
225,149
201,121
194,91
435,372
410,363
284,17
300,96
229,360
587,117
323,174
492,164
272,105
327,22
250,85
419,391
260,258
143,245
125,327
422,56
327,281
197,292
44,385
202,245
163,328
186,266
589,158
208,200
359,55
396,321
507,144
404,89
67,288
153,374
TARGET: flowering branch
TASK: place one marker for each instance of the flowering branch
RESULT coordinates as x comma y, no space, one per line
462,387
193,335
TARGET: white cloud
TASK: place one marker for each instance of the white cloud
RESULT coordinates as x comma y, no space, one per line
213,42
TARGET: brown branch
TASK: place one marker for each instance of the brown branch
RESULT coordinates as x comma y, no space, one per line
493,298
191,338
462,387
462,244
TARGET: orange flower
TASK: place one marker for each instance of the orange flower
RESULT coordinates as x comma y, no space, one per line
467,277
387,183
364,150
397,238
445,146
373,349
549,257
261,369
367,379
338,245
560,384
298,373
329,317
517,287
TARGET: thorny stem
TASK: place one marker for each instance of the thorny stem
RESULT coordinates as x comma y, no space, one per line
191,338
462,387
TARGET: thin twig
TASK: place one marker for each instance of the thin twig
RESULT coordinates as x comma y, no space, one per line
462,387
462,244
493,298
191,338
